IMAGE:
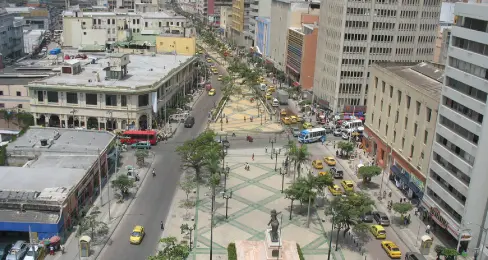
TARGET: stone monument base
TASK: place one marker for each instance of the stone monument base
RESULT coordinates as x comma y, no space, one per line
267,250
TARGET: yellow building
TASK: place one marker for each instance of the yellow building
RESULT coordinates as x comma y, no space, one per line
182,45
238,15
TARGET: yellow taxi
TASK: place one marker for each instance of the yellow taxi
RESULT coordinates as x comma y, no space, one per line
209,60
299,118
347,185
220,78
268,96
307,125
323,173
283,112
335,190
317,164
137,235
391,249
215,71
261,79
272,88
211,92
329,160
378,231
286,120
294,119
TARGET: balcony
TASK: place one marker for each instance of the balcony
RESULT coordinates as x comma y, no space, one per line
455,160
447,196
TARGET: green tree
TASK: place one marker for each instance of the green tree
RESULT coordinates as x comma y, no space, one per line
402,208
188,185
8,115
450,253
193,152
141,155
298,155
122,184
25,119
346,147
172,250
212,164
368,172
91,225
322,181
346,211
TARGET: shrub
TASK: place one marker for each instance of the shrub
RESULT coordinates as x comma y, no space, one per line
300,253
231,251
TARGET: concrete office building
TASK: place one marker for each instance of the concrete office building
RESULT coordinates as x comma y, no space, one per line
11,37
115,91
32,18
356,34
105,28
209,10
402,112
240,23
286,14
456,194
259,8
444,32
263,34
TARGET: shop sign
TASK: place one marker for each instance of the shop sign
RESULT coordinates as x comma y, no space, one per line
465,236
435,213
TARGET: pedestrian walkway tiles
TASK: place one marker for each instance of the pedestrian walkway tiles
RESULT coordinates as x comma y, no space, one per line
255,194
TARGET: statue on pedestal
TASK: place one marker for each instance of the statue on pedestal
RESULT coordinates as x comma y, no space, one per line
274,226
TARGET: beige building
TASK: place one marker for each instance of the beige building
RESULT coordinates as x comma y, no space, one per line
13,93
101,28
402,114
225,19
117,91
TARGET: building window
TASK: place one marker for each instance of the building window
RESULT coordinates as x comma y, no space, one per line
40,95
19,106
111,100
389,110
394,136
383,85
391,91
381,107
426,136
429,114
397,116
92,99
411,150
408,101
72,98
19,94
415,126
143,100
2,105
386,129
406,122
1,93
52,97
418,108
399,97
379,123
123,100
403,143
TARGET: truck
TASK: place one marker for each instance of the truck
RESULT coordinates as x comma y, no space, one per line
283,97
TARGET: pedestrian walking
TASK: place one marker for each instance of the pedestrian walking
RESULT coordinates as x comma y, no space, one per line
266,149
427,229
253,156
162,225
51,250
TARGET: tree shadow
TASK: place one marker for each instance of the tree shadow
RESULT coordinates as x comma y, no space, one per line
354,241
368,185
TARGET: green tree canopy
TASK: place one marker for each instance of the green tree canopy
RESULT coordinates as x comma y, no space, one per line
91,225
194,152
298,155
402,208
346,147
122,184
172,250
368,172
303,188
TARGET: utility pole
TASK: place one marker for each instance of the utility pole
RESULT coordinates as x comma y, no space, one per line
272,142
276,160
282,173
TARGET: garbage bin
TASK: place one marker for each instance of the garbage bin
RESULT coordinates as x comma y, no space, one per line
425,244
85,246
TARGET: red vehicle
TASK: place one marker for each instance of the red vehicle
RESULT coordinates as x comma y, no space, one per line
134,136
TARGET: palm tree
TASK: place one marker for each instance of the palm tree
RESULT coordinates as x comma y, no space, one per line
212,164
298,155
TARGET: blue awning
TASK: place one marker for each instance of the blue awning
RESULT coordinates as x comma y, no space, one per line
415,189
396,171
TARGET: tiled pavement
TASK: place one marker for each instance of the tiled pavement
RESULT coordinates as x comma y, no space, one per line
255,194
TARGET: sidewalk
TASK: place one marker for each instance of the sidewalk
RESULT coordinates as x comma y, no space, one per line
117,210
410,234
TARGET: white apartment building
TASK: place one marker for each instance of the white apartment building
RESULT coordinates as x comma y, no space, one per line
355,34
286,14
11,36
257,8
456,193
116,91
101,28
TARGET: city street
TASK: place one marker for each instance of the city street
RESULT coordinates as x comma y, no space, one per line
152,203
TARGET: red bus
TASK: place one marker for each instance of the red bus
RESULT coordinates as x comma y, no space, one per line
134,136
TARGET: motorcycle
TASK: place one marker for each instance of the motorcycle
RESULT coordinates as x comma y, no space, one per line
249,139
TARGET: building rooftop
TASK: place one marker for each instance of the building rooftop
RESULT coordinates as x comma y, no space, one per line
29,216
142,71
424,76
162,14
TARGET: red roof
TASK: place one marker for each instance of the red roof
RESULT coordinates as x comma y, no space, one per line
139,132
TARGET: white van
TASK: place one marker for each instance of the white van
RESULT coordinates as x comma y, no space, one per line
276,103
262,86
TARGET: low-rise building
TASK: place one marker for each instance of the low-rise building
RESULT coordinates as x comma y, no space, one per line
11,37
301,51
105,28
32,18
400,126
115,91
176,45
52,174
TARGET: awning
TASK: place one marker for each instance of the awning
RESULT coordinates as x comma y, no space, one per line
415,189
296,84
399,174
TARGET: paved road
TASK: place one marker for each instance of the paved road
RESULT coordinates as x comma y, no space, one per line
153,201
373,246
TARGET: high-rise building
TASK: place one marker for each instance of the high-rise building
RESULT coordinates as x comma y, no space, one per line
12,37
240,23
209,10
259,8
456,194
357,33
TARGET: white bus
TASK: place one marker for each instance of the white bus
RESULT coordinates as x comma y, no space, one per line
353,124
312,135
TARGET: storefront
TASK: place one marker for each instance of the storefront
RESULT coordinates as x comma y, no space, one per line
406,180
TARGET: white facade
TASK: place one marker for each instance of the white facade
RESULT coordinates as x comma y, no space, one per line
456,187
11,36
99,28
355,34
285,14
258,8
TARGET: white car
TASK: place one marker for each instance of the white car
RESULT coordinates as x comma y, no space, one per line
33,251
337,132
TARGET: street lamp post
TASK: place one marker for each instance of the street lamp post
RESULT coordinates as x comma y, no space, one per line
330,237
272,142
227,196
226,174
188,228
276,161
282,173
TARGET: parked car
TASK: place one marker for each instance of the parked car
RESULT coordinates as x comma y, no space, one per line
34,253
337,132
141,145
18,251
378,231
189,122
391,249
414,256
338,174
381,218
295,131
367,217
